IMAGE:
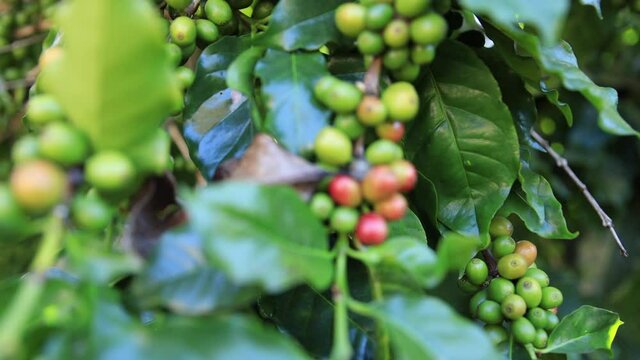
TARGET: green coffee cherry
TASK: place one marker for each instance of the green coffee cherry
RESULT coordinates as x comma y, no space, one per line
540,341
530,290
512,266
477,271
384,152
499,289
490,312
322,88
371,111
466,286
175,53
401,100
409,72
503,246
477,299
344,219
500,226
395,59
370,43
218,11
179,4
185,76
91,213
523,331
538,317
240,4
110,172
349,125
552,321
263,9
541,277
183,31
207,30
43,109
333,147
351,19
63,144
411,8
551,298
378,16
12,219
496,333
396,34
428,29
25,149
513,307
343,97
321,205
423,54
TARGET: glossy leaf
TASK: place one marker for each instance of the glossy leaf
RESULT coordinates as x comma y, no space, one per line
409,226
179,277
115,73
585,330
294,117
261,235
218,122
464,141
301,25
595,4
427,328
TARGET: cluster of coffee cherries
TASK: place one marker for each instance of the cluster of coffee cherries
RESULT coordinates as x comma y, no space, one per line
367,192
404,33
518,296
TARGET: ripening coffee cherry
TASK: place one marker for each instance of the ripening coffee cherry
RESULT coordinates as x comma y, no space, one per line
395,59
263,9
345,191
218,11
475,301
499,289
343,97
423,54
541,277
528,251
321,206
523,331
240,4
393,131
175,54
370,43
490,312
409,72
502,246
401,100
393,208
349,125
551,298
91,213
428,29
496,333
371,111
530,291
552,321
183,31
379,184
500,226
513,307
110,172
25,149
43,109
540,341
344,219
333,147
351,19
411,8
477,271
538,317
396,34
37,186
512,266
378,16
372,229
406,174
382,152
185,77
63,144
207,31
179,4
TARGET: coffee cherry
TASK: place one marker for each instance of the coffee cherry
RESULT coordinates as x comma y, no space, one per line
477,271
401,100
523,331
321,206
343,97
25,149
411,8
391,131
500,226
333,147
540,341
240,4
395,59
466,286
322,88
175,54
351,19
552,321
207,31
218,11
541,277
110,172
513,307
349,125
496,333
477,299
406,174
379,184
371,111
530,291
345,190
396,34
183,31
344,219
383,152
63,144
490,312
378,16
43,109
91,213
538,317
179,4
263,9
499,289
423,54
527,250
428,29
371,229
370,43
551,298
185,76
37,186
12,218
393,208
49,56
502,246
409,72
512,266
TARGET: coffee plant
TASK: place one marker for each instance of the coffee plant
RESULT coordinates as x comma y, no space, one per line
289,179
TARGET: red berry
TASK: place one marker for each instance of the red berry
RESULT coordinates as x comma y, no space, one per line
371,229
379,183
345,190
406,174
391,131
393,208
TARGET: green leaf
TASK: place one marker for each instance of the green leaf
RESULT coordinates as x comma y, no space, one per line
409,226
585,330
261,235
547,16
595,4
116,73
301,25
464,141
427,328
293,116
218,122
240,72
180,278
536,205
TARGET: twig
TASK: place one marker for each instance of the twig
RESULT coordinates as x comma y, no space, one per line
564,165
372,77
491,262
181,144
192,8
23,42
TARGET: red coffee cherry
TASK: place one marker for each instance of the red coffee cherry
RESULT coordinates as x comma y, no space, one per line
394,208
345,190
371,229
379,184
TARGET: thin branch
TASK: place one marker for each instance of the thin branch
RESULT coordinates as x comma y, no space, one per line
181,144
491,262
372,77
34,39
192,8
564,165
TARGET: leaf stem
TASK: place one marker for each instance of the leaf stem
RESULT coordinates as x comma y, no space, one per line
341,349
564,165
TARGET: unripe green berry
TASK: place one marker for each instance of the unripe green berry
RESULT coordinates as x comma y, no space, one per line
321,205
423,54
240,4
477,271
541,277
503,246
538,317
175,53
401,100
530,290
411,8
333,147
500,226
540,341
496,333
523,331
552,321
91,213
490,312
218,11
207,30
370,43
110,172
185,76
25,149
499,289
396,34
428,29
475,301
63,144
466,286
183,31
179,4
344,219
395,59
351,19
378,16
513,307
551,298
512,266
343,97
43,109
409,72
349,125
384,152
